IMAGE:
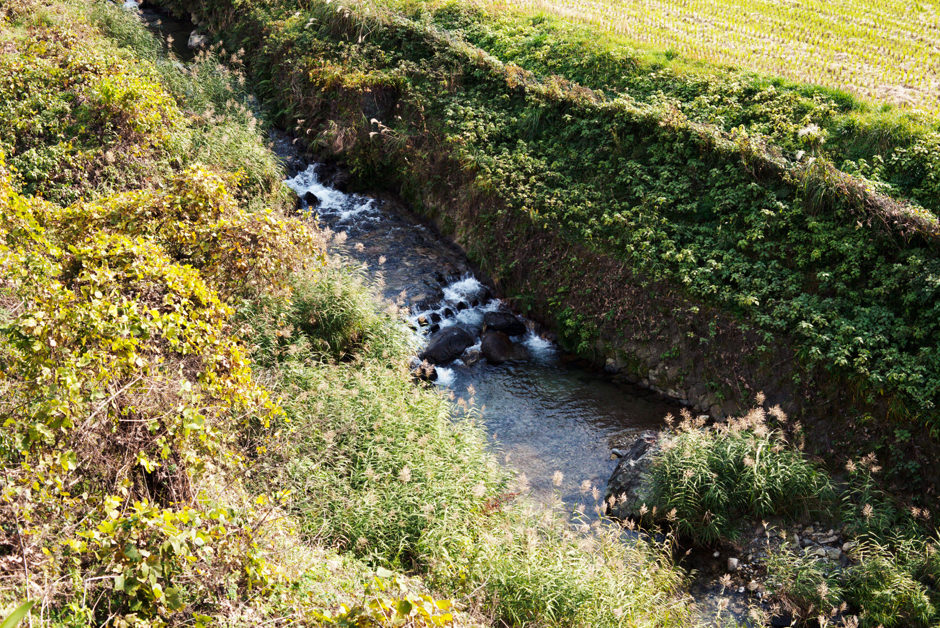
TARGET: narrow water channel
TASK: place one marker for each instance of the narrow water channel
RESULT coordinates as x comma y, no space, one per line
543,414
552,420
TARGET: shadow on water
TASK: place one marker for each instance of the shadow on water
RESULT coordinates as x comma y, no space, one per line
175,32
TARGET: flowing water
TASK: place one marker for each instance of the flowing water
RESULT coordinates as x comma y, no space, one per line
552,420
542,415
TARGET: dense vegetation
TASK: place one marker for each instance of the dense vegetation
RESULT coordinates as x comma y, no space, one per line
707,482
208,420
805,214
888,52
895,149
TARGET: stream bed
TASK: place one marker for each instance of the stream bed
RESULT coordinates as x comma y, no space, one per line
543,413
549,417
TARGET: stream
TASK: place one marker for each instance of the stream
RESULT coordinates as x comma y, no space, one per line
542,413
549,416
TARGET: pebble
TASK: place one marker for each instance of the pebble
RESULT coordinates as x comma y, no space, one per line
848,546
733,564
716,554
833,553
814,551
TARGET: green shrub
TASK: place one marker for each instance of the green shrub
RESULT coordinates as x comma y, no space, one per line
198,220
74,117
708,480
337,313
885,594
809,587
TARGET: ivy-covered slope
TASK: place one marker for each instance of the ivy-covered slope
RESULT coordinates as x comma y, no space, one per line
894,149
841,269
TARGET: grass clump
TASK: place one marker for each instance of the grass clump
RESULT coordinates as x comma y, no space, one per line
882,585
532,567
706,481
886,593
709,480
806,586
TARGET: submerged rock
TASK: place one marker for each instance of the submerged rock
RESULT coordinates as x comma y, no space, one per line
629,485
498,348
447,345
471,357
505,322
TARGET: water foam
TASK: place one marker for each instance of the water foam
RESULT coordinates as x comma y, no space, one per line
445,376
330,199
463,289
539,348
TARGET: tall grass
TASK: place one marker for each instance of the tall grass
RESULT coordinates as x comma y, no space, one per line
709,480
225,132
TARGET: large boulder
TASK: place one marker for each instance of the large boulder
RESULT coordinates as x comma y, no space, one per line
447,345
505,322
498,348
629,485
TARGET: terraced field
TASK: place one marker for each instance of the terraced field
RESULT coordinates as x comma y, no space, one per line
887,50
